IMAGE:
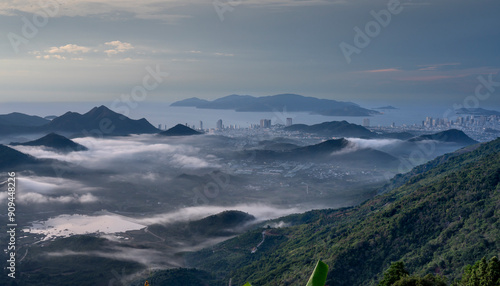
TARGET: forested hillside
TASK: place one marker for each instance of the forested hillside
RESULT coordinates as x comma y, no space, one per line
443,218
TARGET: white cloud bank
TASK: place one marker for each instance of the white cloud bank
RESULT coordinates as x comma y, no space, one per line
128,154
260,211
146,9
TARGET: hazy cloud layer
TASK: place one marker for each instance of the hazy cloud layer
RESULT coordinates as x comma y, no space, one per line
50,185
36,198
128,153
147,257
373,143
260,211
147,9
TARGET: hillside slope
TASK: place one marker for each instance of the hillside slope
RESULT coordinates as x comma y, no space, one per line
440,220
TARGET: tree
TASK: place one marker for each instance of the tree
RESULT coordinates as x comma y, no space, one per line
395,272
482,273
429,280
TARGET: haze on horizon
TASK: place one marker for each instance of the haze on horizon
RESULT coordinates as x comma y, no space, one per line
430,52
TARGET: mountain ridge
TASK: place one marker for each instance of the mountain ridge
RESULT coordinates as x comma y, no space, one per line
334,129
99,121
279,103
21,119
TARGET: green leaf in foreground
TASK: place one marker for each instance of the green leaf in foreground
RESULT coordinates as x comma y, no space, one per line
247,284
318,277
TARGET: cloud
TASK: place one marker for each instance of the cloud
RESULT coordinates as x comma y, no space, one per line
373,143
119,154
436,66
117,47
189,162
146,9
432,77
109,10
50,185
76,52
69,48
383,70
36,198
147,257
385,145
224,55
260,211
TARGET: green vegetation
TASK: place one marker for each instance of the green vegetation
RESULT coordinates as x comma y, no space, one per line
72,261
180,277
482,273
397,275
439,218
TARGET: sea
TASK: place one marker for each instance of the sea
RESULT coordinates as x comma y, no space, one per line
161,113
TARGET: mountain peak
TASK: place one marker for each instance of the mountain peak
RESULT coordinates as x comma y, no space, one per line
180,130
101,110
56,142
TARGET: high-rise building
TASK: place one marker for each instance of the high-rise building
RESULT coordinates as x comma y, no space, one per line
289,122
265,123
201,125
159,126
219,124
366,122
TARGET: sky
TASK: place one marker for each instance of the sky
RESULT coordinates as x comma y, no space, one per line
413,51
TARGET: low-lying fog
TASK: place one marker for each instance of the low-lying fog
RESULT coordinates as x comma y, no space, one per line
130,183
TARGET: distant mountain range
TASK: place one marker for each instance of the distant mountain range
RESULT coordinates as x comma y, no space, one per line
20,119
100,121
477,111
335,150
180,130
346,129
334,129
452,135
279,103
386,107
56,142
